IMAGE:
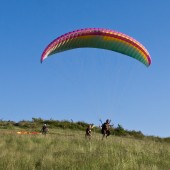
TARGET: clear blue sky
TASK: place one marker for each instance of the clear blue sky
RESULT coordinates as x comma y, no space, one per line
85,84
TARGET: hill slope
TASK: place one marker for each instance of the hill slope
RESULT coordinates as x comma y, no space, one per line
68,149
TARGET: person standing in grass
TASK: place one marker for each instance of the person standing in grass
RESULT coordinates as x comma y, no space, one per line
105,129
44,129
88,132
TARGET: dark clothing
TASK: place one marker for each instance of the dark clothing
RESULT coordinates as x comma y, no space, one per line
105,129
44,129
88,132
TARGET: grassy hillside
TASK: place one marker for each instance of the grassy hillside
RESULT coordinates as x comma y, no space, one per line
65,148
36,125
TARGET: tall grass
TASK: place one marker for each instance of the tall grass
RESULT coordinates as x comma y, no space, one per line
67,149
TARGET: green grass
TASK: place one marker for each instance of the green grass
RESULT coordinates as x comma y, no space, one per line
68,149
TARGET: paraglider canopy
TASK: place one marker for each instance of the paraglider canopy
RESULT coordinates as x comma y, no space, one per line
99,38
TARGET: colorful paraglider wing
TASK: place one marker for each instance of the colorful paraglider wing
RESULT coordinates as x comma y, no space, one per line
99,38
